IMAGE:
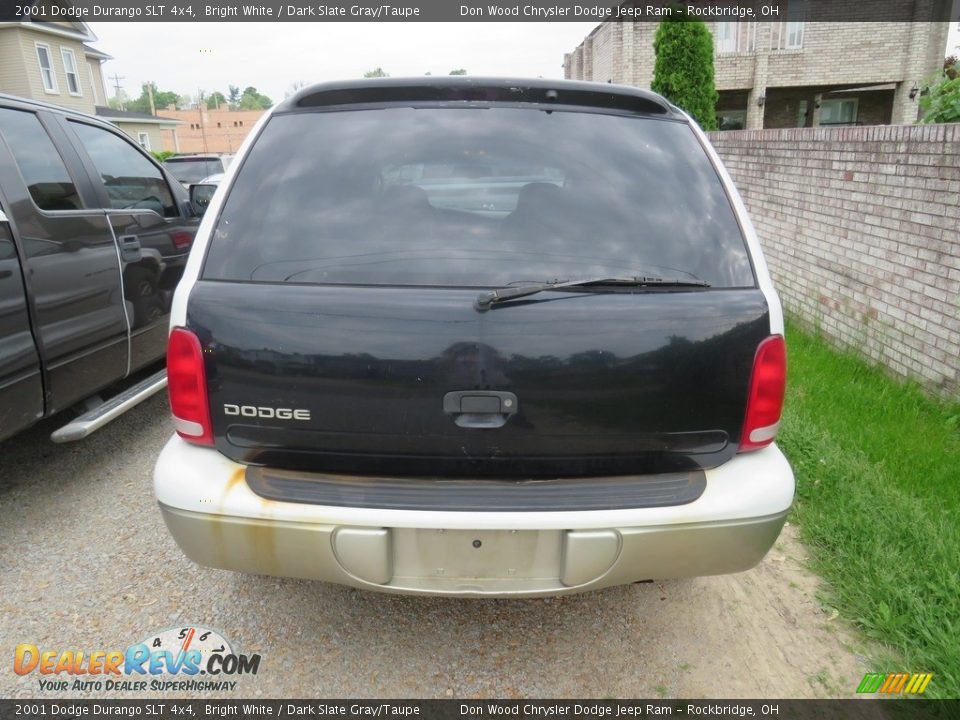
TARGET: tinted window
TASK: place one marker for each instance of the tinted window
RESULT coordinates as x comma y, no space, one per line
132,181
193,171
480,197
41,166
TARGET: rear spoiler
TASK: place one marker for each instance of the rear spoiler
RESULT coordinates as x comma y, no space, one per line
599,96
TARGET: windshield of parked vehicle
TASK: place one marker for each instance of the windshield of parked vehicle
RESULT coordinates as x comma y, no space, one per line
475,197
193,171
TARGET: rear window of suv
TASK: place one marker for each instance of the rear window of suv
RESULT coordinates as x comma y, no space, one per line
193,170
475,197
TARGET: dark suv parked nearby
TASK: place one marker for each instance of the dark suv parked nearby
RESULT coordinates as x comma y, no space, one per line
476,337
94,236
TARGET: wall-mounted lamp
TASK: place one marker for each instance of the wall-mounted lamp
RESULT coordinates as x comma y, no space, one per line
761,100
913,92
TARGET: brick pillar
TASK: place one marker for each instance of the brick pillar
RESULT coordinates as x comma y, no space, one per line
755,111
815,110
905,110
588,58
924,51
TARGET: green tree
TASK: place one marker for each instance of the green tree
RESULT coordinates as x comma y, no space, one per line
459,71
951,66
683,70
940,97
161,99
217,99
375,73
233,95
253,100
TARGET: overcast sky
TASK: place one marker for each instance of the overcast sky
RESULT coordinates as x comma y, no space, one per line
187,57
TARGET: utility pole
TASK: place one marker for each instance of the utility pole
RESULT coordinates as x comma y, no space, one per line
117,89
203,129
153,109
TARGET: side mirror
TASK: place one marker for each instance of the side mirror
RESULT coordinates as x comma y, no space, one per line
200,196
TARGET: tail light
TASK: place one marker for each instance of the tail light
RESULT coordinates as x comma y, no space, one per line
181,239
765,397
187,385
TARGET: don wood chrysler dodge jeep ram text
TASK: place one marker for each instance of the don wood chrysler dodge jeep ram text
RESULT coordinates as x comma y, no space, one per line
476,337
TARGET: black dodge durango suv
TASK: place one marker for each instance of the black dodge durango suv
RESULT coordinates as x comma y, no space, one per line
470,336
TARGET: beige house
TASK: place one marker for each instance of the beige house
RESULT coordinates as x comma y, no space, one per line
787,74
148,130
52,62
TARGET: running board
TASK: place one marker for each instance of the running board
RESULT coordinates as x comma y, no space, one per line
113,408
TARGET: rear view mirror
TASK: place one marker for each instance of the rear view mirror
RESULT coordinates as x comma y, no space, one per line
200,196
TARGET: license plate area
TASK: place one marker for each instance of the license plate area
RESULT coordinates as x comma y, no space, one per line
476,555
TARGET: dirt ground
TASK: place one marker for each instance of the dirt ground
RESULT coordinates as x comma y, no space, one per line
86,563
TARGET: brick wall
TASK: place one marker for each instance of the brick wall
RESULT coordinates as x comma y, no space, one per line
210,131
604,45
861,229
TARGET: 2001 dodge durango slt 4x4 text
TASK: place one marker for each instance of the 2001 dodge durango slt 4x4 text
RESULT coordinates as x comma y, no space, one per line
476,337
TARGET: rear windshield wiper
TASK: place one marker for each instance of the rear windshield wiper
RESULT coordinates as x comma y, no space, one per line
486,299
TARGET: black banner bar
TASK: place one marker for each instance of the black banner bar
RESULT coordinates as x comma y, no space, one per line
478,10
164,709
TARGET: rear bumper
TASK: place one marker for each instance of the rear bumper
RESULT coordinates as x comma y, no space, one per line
219,522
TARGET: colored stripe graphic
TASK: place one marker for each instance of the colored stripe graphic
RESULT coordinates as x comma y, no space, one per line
888,683
895,683
927,677
870,683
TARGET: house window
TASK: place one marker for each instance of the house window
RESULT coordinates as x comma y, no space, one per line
46,69
732,37
144,140
726,37
796,14
70,68
731,119
794,35
839,112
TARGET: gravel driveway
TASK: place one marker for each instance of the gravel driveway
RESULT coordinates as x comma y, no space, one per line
86,563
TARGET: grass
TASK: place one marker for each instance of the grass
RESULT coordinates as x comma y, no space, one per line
878,502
